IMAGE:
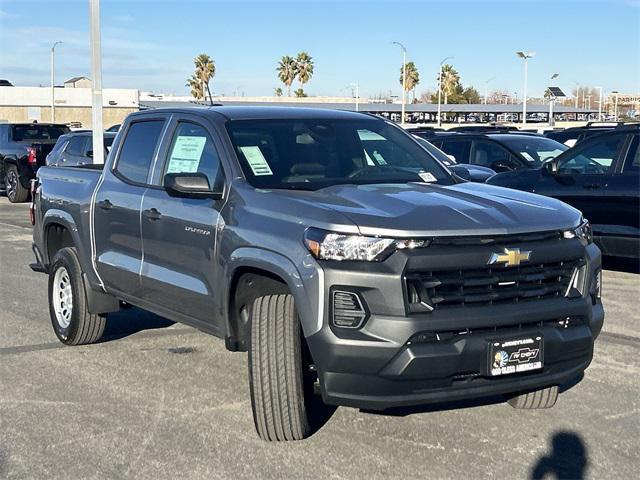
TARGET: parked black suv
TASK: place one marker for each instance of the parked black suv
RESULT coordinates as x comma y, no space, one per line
501,152
23,148
574,135
601,178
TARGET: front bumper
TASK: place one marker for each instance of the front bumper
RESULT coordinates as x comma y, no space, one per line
386,364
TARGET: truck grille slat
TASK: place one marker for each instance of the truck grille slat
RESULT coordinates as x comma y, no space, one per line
490,285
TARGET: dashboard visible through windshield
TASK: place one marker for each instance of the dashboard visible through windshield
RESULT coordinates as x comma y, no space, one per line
310,154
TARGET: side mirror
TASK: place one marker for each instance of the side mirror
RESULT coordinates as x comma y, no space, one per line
194,185
551,167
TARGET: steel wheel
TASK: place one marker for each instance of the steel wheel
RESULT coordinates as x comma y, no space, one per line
11,184
62,297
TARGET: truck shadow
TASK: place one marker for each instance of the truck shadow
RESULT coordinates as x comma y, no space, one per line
568,458
131,320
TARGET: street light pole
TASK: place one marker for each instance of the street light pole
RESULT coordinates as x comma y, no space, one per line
552,100
440,90
525,56
615,105
357,87
53,79
96,82
404,78
486,89
599,103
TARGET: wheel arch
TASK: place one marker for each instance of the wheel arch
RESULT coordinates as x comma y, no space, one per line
254,272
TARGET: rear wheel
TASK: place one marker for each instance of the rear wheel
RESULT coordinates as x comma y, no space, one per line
71,320
544,398
278,373
16,193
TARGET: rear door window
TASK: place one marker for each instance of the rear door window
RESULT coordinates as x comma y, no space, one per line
458,148
76,145
138,148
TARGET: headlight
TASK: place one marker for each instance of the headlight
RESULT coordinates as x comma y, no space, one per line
325,245
582,232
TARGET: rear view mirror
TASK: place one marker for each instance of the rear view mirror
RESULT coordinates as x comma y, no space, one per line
190,185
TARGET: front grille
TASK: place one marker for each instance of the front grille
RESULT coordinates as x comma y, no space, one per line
438,289
497,239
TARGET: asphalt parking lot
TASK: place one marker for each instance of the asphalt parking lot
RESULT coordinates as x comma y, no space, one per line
161,400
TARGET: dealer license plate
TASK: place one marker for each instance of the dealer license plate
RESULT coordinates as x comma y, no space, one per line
516,355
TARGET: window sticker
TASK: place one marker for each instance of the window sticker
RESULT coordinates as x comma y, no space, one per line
427,177
257,162
368,135
378,156
186,153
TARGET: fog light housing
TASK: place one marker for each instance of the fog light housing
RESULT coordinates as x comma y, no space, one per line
348,309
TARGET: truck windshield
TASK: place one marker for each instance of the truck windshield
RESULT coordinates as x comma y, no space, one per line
310,154
38,132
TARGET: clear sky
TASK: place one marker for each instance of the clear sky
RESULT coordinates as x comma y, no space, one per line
150,44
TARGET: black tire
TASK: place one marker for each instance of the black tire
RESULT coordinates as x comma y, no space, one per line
16,193
544,398
75,325
276,371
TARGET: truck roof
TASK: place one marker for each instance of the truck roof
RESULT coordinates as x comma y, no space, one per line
252,112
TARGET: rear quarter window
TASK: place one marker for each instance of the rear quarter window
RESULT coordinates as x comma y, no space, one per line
138,148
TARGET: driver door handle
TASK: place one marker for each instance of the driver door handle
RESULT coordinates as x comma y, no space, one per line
105,204
152,214
592,186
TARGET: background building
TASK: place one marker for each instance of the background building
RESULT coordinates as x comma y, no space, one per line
72,104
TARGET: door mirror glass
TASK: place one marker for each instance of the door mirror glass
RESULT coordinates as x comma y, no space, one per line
190,185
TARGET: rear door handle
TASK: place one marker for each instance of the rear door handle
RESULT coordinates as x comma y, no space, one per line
152,214
105,204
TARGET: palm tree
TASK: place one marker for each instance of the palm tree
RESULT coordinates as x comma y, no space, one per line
196,87
450,79
277,91
287,71
305,68
413,78
205,71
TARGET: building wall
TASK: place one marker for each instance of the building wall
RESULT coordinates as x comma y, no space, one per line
79,115
73,105
82,83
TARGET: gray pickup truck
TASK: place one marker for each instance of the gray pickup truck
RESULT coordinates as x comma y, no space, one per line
353,267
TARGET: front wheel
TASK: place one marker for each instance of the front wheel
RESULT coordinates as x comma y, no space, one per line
279,390
72,322
16,193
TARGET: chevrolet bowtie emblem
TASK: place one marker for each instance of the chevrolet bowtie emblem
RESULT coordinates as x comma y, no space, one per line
511,257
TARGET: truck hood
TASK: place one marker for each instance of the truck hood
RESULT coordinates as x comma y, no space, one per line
417,209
